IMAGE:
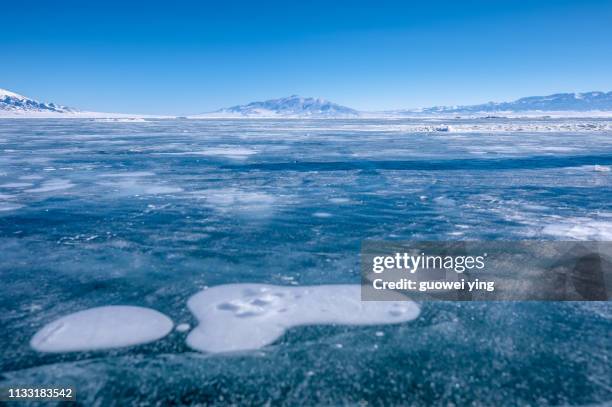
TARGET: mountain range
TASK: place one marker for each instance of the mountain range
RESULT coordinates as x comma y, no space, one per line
14,102
15,105
559,102
292,106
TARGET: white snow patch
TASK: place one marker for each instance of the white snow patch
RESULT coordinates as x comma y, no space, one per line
237,317
131,186
229,152
339,200
102,328
581,229
184,327
121,120
16,185
52,185
128,174
6,206
237,200
31,176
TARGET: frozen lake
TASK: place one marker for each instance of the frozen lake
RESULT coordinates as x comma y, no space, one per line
96,213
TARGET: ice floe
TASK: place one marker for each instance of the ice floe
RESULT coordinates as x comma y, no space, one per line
237,317
102,328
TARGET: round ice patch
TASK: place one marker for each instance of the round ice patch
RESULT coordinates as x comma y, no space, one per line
238,317
102,328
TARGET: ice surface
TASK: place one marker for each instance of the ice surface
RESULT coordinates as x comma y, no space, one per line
132,186
236,317
143,225
581,229
51,186
238,201
228,151
6,206
102,328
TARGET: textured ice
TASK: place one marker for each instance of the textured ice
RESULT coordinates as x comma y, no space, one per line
6,206
128,174
239,201
228,151
132,186
109,240
102,328
51,186
237,317
581,229
15,185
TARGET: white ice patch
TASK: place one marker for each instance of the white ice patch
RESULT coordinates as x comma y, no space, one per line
31,177
238,201
16,185
237,317
52,185
581,229
229,152
128,174
233,152
6,206
102,328
131,186
121,120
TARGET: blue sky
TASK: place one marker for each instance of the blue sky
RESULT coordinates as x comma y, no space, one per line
190,57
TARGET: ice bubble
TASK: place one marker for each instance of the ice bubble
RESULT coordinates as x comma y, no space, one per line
102,328
237,317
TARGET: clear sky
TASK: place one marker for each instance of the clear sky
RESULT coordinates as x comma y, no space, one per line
181,57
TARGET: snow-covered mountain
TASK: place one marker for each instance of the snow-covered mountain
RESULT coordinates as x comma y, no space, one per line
292,106
559,102
15,103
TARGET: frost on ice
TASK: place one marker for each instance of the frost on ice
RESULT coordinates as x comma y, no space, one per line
236,317
102,328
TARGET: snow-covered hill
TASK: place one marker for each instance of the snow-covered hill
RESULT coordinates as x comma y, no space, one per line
293,106
559,102
15,103
589,104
